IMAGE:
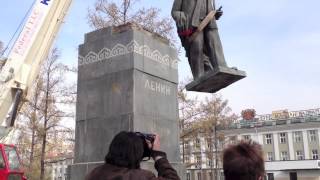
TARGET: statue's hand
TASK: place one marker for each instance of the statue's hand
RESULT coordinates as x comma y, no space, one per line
218,14
182,22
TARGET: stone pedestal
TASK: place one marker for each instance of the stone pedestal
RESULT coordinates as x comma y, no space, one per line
127,80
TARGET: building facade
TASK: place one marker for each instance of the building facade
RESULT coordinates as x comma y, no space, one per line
201,158
290,140
59,168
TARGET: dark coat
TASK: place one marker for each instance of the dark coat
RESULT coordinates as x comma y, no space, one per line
111,172
191,10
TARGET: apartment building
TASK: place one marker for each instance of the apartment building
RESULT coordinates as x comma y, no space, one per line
59,167
290,140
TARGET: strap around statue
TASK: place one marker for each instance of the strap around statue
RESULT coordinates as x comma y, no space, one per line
203,24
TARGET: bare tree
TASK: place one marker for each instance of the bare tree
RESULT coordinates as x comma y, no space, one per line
188,112
29,127
215,114
2,62
1,47
54,93
41,115
205,117
114,13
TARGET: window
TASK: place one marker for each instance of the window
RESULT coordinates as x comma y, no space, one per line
222,176
198,159
209,141
246,137
233,139
270,176
209,146
270,156
14,176
209,162
199,175
312,135
188,176
297,136
197,143
186,146
299,155
14,163
186,159
2,163
210,175
268,139
284,156
283,138
293,176
315,154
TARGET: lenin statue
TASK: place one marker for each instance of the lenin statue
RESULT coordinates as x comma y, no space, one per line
199,36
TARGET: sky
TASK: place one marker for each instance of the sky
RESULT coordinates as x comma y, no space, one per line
277,43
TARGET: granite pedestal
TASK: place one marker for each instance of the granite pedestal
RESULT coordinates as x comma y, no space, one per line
127,80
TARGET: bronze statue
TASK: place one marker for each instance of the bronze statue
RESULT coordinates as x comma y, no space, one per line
198,31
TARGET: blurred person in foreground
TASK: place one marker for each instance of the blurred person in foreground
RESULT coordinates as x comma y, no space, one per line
126,151
243,161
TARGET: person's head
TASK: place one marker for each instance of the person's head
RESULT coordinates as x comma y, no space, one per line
125,150
243,161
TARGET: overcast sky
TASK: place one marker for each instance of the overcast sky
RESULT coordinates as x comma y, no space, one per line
277,42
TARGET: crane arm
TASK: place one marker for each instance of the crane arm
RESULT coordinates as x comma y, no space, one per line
31,48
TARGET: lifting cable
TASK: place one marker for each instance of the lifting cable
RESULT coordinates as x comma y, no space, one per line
19,28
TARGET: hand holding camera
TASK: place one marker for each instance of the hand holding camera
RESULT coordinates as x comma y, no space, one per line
156,143
151,146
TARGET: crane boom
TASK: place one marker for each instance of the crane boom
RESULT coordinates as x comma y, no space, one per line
30,49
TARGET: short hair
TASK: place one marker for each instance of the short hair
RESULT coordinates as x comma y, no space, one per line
243,161
125,150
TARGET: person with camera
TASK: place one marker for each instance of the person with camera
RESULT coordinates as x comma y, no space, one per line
126,151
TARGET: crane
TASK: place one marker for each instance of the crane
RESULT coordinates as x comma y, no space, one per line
22,66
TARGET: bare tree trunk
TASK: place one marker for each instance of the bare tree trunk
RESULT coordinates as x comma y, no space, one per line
43,150
32,147
126,5
211,157
33,126
183,150
44,140
216,151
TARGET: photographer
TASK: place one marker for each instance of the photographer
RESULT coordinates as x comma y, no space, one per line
126,151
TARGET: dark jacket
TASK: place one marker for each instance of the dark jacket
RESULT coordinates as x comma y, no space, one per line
111,172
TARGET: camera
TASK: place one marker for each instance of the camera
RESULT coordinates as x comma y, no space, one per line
146,149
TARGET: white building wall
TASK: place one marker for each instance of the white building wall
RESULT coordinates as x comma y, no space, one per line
276,146
319,135
281,171
255,137
290,143
260,138
306,144
202,149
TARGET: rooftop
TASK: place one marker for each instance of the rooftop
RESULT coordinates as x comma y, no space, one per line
277,118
